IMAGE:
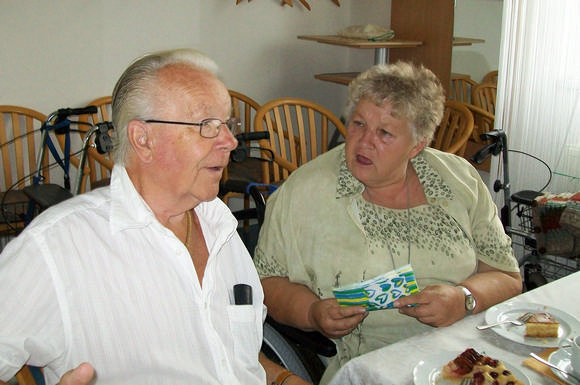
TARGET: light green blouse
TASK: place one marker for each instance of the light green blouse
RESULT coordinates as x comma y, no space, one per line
319,231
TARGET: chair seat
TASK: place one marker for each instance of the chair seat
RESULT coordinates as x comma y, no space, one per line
250,170
46,195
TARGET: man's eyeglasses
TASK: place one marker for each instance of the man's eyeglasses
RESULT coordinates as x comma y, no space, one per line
208,128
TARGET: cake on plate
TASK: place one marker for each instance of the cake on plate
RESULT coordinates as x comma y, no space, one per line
483,369
542,325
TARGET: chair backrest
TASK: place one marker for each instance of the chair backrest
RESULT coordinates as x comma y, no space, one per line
250,170
98,166
244,108
20,144
299,132
483,96
490,77
455,129
461,88
483,120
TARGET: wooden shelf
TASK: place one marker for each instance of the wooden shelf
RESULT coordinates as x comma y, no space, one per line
346,77
461,41
338,77
380,48
428,26
359,43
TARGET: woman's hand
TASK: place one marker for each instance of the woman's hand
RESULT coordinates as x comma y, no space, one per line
81,375
436,305
333,320
442,305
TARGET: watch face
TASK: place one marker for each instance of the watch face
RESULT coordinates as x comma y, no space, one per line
470,302
469,299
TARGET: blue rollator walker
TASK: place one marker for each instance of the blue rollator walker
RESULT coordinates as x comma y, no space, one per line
45,195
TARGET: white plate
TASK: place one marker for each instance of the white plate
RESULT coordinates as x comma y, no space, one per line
562,360
568,324
428,371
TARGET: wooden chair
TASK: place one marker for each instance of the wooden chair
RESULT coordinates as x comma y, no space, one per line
455,128
98,166
250,170
490,77
244,108
299,132
484,121
460,88
29,376
19,147
483,96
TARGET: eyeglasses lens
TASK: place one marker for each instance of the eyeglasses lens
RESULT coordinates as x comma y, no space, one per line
210,128
234,125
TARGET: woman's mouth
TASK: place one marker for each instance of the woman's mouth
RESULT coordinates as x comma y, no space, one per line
363,160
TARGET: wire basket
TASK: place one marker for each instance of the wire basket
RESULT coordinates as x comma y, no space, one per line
556,221
550,243
524,202
525,216
554,267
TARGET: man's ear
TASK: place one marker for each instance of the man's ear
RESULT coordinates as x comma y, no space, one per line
140,139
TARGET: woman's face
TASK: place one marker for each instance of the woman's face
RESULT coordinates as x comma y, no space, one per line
378,145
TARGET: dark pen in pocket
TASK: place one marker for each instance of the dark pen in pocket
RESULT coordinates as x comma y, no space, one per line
242,294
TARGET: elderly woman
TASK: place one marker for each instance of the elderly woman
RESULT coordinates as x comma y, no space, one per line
381,201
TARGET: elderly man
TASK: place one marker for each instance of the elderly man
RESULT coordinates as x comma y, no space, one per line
133,283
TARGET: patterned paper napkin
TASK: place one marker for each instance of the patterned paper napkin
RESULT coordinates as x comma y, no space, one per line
379,292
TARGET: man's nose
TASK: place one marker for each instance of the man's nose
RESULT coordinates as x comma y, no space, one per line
228,138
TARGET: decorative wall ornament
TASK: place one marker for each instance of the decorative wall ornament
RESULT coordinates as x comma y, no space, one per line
290,3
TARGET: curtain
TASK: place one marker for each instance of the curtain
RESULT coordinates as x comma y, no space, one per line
538,100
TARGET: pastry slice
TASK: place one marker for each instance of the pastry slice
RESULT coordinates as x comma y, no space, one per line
542,325
482,369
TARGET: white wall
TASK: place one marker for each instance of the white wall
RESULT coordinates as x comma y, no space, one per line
479,19
64,53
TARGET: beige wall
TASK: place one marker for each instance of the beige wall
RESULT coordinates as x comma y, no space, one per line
64,53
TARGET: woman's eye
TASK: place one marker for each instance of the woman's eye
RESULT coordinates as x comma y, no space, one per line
384,133
357,123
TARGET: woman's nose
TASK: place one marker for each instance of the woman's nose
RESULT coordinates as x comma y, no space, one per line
367,136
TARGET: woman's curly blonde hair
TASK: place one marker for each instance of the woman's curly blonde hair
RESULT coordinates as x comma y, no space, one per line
414,92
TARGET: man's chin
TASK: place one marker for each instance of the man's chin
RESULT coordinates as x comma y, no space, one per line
210,194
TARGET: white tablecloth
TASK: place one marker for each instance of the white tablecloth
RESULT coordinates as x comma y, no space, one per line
394,364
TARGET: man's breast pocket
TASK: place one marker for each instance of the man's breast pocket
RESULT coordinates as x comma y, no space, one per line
243,323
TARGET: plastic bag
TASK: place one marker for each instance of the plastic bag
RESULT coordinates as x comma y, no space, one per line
371,32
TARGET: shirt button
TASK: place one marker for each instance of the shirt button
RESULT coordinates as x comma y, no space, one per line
444,203
432,200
